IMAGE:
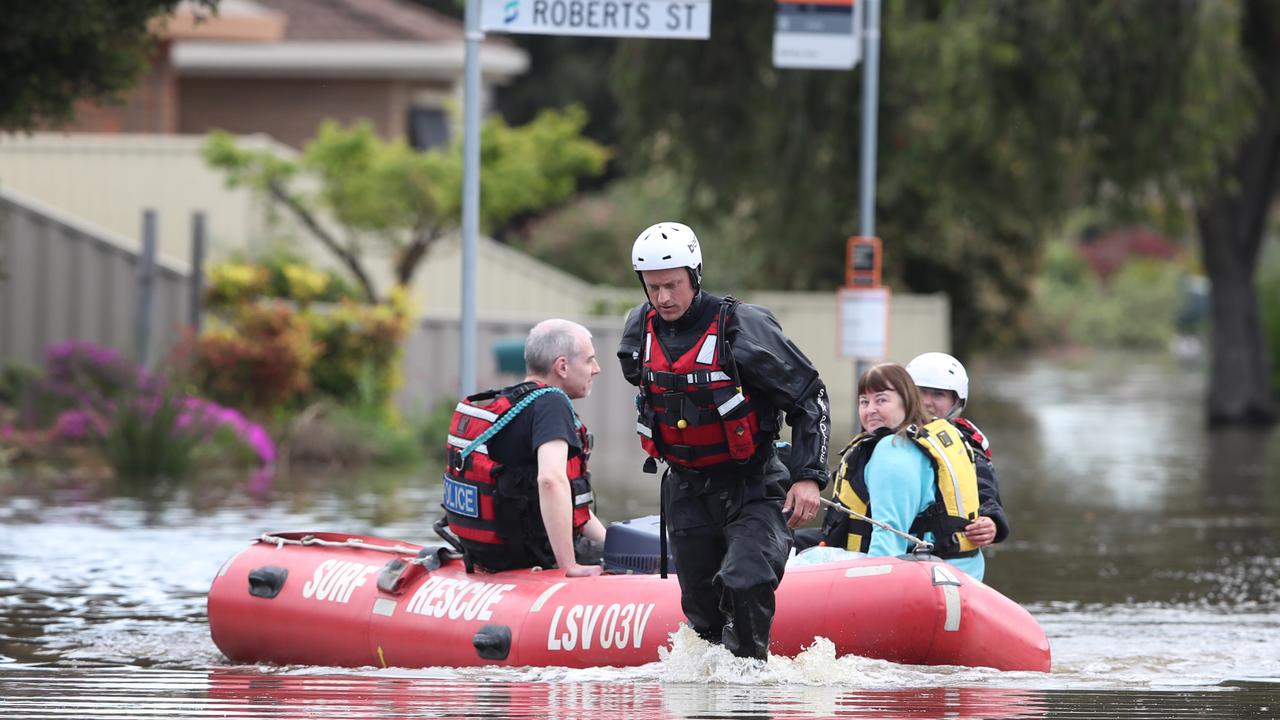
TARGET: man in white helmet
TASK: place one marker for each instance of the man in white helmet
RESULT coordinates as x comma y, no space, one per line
715,378
944,391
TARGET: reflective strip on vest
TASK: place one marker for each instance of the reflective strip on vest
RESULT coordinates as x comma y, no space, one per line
458,442
707,352
648,346
644,430
728,405
715,376
951,472
476,412
584,498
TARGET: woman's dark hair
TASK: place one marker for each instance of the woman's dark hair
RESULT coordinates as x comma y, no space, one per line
892,376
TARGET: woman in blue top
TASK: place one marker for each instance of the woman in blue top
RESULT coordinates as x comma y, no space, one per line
900,480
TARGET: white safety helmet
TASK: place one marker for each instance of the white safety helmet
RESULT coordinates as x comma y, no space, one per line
941,371
668,245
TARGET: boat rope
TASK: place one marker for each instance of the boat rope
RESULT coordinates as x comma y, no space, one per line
921,545
353,542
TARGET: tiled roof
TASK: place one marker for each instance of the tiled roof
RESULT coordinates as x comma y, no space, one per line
363,21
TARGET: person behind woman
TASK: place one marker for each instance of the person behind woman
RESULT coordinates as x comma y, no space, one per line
944,392
912,473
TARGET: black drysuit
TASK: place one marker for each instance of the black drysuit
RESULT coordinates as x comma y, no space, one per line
727,529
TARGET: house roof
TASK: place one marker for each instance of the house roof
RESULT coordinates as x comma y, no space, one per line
345,38
235,20
363,21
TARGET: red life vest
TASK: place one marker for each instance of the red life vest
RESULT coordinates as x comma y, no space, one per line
476,486
693,411
973,436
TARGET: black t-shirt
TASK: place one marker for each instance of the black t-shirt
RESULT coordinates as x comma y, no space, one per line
550,417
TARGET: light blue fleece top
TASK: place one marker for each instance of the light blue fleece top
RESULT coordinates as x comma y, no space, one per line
901,485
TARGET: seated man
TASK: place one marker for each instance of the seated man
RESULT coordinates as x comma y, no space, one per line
517,491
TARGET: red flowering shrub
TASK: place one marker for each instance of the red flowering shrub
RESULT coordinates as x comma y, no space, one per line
261,361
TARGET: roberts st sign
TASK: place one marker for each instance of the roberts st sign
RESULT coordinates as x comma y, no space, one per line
681,19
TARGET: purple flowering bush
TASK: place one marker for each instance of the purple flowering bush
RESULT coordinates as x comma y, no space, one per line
89,395
227,427
79,426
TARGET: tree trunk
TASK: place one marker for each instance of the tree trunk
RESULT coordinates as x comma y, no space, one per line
406,263
348,259
1232,224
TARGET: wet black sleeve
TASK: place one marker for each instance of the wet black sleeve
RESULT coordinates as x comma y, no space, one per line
775,370
553,420
632,344
989,496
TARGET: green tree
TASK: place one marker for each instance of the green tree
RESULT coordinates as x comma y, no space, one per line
996,117
563,70
55,53
385,193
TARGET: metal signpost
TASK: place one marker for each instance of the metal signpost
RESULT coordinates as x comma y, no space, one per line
867,160
836,35
674,19
870,103
470,195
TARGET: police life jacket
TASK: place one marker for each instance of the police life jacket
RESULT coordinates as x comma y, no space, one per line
487,503
972,435
694,411
955,502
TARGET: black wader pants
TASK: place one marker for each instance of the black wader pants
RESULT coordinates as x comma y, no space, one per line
731,544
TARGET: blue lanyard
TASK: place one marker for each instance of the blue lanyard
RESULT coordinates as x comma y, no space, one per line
511,414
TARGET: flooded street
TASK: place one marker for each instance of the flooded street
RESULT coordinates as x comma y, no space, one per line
1148,548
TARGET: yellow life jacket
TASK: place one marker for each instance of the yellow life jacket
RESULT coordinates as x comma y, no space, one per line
955,491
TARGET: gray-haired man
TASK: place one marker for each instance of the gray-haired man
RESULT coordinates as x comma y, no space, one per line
522,495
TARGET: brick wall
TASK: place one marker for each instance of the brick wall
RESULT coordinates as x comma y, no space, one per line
291,110
151,107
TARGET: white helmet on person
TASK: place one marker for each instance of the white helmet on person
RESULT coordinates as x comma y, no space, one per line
943,372
667,245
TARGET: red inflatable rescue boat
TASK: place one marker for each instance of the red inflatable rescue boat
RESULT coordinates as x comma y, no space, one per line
348,600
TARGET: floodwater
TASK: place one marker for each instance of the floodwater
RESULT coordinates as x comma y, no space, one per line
1147,547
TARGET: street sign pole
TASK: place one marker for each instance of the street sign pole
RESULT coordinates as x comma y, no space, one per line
470,196
870,104
689,19
867,158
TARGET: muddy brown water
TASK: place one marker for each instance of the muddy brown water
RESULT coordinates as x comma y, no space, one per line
1148,547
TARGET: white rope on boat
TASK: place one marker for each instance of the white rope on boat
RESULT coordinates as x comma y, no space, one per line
921,545
354,542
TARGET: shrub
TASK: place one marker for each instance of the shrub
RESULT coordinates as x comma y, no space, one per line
1136,308
233,283
591,237
145,439
78,375
281,276
434,430
79,426
360,352
227,428
167,435
262,361
15,380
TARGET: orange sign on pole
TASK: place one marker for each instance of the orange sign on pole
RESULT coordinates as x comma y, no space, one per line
862,262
